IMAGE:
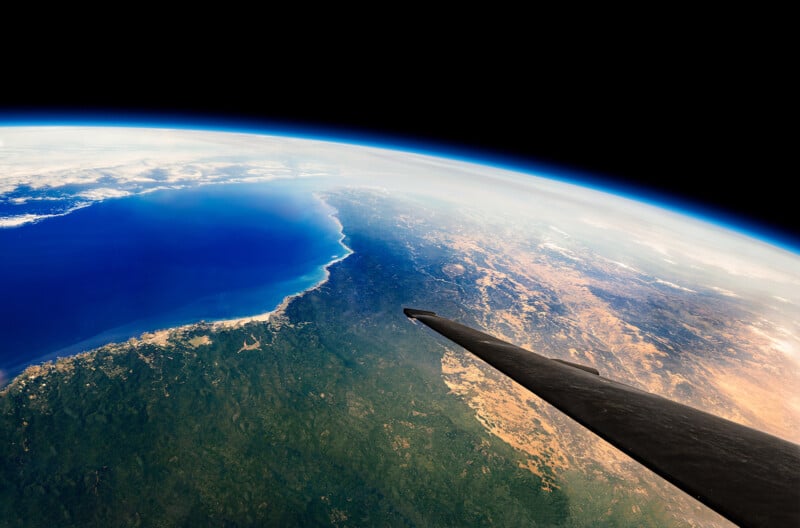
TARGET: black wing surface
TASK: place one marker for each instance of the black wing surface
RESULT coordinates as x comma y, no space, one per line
750,477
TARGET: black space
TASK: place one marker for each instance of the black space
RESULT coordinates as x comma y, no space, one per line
699,134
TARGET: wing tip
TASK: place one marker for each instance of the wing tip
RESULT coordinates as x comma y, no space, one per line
412,313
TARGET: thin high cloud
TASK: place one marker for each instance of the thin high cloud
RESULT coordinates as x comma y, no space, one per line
50,171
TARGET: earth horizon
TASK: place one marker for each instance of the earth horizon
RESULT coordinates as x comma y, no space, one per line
240,356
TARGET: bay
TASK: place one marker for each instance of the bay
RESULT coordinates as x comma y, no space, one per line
129,265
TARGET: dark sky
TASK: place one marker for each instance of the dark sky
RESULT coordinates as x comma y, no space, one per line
696,134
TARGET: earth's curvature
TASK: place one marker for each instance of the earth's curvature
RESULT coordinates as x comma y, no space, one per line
206,328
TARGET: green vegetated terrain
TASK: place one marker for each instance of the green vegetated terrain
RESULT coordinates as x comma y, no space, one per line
333,413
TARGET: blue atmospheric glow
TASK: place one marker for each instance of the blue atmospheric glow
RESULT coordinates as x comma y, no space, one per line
523,165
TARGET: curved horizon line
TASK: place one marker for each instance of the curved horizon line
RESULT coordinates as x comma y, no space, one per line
402,143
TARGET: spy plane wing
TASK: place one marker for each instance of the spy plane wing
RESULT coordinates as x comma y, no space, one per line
750,477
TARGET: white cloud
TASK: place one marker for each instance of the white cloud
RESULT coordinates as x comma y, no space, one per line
723,291
16,221
673,285
558,249
623,265
103,193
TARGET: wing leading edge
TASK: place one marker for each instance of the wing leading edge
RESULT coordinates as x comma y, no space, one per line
750,477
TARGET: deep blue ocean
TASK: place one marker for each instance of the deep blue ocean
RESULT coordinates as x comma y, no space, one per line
124,266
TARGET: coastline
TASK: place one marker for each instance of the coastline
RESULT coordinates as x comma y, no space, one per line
161,337
264,317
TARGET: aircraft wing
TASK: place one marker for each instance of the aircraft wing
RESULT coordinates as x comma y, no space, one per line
750,477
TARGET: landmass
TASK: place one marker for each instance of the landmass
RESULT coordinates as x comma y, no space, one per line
335,410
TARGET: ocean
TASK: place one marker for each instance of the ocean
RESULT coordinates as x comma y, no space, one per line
124,266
